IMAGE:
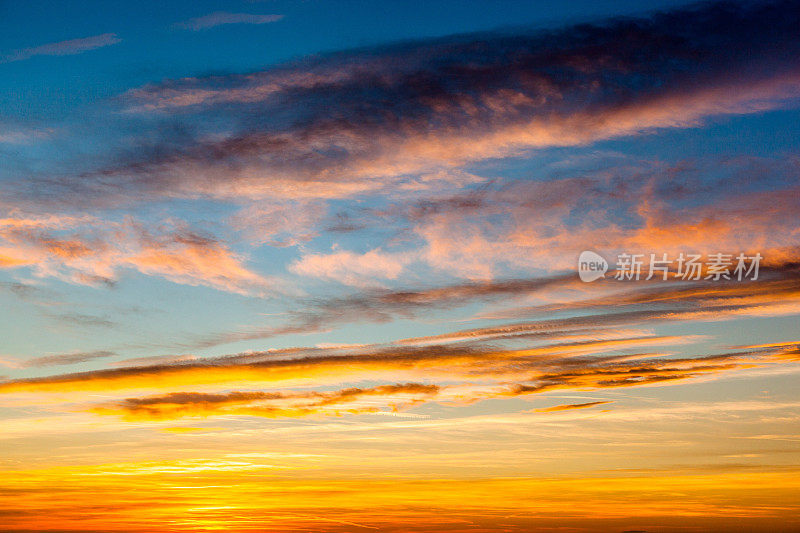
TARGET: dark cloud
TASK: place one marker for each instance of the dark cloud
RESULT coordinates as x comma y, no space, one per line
386,305
778,284
600,374
82,320
180,404
23,291
638,302
346,123
259,403
549,366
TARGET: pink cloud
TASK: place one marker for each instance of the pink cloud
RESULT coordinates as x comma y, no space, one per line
351,268
94,252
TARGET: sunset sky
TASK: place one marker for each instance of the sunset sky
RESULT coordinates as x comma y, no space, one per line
313,266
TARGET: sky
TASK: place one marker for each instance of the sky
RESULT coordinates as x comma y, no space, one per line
325,266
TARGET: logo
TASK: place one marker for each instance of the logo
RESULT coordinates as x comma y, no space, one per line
591,266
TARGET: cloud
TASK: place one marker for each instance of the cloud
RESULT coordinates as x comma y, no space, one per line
62,48
280,224
22,135
612,362
154,360
777,292
350,268
408,119
587,351
192,259
571,406
323,365
23,291
637,208
81,320
91,251
472,376
220,18
488,95
631,373
379,305
62,359
267,404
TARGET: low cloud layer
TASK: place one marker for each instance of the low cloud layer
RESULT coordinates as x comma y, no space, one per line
266,404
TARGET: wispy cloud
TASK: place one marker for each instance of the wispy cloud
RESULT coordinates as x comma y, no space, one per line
10,134
220,18
62,359
379,305
268,404
63,48
611,362
352,269
777,292
81,320
89,251
571,406
154,360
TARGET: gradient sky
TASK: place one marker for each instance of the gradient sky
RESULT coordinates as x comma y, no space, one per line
312,266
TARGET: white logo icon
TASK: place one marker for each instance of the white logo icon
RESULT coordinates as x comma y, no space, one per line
591,266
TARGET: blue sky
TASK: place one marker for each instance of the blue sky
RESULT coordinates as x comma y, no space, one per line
225,221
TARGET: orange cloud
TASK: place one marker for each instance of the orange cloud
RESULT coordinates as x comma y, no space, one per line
267,404
355,364
193,260
95,251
